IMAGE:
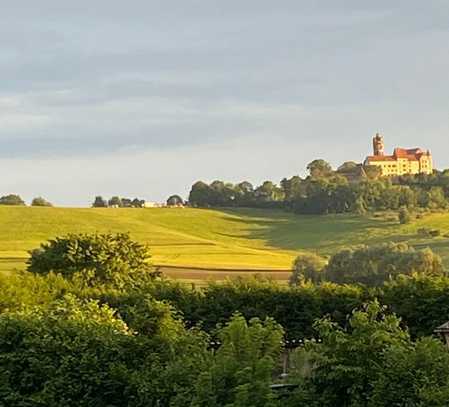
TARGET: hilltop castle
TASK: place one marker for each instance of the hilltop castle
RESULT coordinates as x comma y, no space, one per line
402,162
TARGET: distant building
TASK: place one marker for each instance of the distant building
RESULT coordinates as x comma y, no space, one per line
402,162
153,205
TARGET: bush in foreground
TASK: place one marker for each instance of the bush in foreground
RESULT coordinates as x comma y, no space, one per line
75,352
373,363
78,353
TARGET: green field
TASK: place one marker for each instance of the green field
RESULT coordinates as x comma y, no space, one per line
212,242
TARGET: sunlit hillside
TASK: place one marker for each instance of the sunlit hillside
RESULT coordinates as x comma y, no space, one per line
204,240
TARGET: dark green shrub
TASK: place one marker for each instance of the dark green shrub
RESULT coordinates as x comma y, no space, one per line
93,258
243,365
373,362
76,353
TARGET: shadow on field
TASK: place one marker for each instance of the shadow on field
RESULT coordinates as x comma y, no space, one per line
324,233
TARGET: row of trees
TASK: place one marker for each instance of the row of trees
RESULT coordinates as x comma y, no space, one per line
243,194
92,323
422,302
327,191
369,265
117,202
16,200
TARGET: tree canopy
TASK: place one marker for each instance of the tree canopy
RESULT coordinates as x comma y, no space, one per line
93,258
39,201
326,191
319,168
369,265
373,362
175,200
12,199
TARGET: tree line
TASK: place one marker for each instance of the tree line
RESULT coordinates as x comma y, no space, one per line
92,322
368,265
16,200
99,201
118,202
326,190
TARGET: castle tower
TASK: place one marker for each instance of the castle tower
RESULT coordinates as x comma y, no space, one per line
378,145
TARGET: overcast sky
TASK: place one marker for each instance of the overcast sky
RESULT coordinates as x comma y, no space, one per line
143,98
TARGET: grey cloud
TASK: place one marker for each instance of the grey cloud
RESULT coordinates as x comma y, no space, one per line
106,78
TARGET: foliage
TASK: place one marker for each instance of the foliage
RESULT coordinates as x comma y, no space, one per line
307,267
99,202
421,301
219,194
294,308
242,368
23,290
150,317
76,353
12,199
414,375
137,203
347,167
115,201
39,201
374,265
374,362
92,258
135,348
319,168
175,200
359,206
346,361
352,188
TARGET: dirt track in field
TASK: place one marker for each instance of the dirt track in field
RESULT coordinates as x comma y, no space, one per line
196,273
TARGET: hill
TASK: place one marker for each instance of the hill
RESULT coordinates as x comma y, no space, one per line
203,243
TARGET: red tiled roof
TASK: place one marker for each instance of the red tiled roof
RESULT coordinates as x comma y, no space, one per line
381,158
410,154
413,154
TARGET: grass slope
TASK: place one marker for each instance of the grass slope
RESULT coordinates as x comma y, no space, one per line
226,239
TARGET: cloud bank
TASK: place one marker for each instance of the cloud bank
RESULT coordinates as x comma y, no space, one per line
144,98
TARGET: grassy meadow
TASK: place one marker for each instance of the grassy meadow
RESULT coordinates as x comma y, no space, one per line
195,244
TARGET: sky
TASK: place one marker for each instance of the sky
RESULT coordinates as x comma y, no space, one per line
143,98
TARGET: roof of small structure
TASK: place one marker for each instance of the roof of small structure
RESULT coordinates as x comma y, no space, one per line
443,328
